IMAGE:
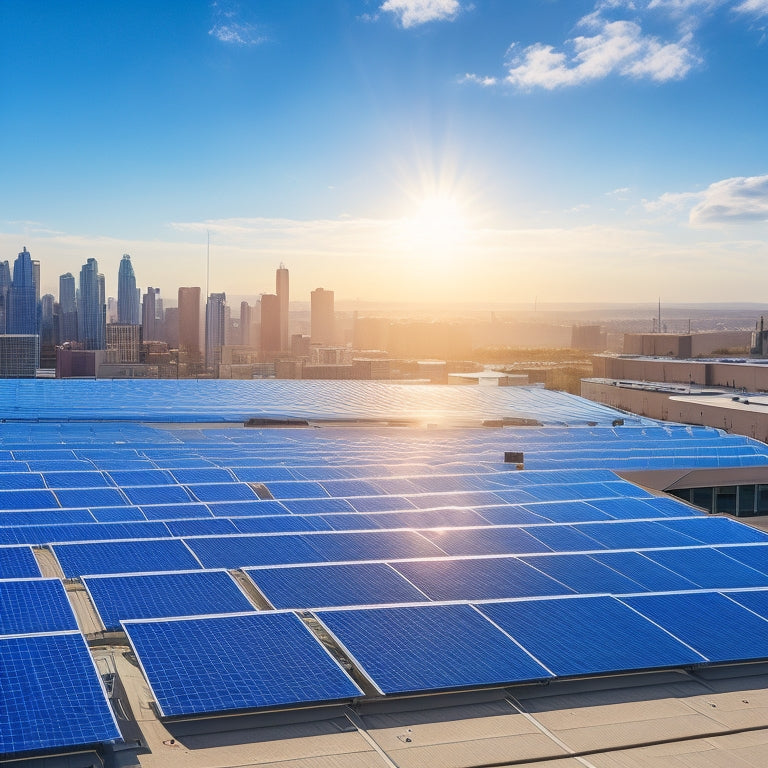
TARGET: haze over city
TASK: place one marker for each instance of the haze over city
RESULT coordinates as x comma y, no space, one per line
409,150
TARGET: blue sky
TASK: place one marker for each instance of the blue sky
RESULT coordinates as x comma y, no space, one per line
437,150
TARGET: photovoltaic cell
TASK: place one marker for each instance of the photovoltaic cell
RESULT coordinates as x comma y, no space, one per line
18,563
249,508
33,499
223,492
20,481
207,526
280,524
371,545
58,480
754,556
239,551
485,541
755,600
709,568
586,636
634,535
563,538
717,530
138,556
318,586
486,578
429,648
219,664
317,506
52,695
154,596
567,511
158,494
651,575
90,497
735,634
36,605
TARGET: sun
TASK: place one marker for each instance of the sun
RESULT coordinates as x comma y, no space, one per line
438,222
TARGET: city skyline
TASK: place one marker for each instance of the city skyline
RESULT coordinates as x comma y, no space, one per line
428,150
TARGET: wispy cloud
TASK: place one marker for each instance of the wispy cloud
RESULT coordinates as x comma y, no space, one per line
411,13
229,25
485,81
738,200
756,7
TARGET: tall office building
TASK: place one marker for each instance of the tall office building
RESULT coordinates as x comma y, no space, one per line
281,280
67,308
323,320
91,307
22,316
151,328
246,318
215,329
127,293
5,290
270,323
189,324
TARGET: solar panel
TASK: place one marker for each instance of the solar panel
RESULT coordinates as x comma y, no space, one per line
76,480
317,506
563,538
649,574
582,574
118,515
735,635
90,497
347,522
380,503
587,636
296,489
52,695
163,595
371,545
20,481
218,664
567,511
158,494
249,508
709,568
717,530
30,500
35,605
262,474
207,526
133,477
485,541
428,518
280,524
486,578
754,556
756,600
223,492
317,586
634,535
238,551
407,649
202,475
18,563
175,511
137,556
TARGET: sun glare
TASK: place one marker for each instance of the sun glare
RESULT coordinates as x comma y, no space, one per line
438,222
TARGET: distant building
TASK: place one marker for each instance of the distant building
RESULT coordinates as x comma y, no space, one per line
323,321
215,328
91,307
19,355
67,309
281,280
127,294
246,320
171,327
22,315
152,329
47,332
270,323
189,324
123,343
591,338
5,290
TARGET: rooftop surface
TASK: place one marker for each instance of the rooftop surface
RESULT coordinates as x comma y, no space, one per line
374,595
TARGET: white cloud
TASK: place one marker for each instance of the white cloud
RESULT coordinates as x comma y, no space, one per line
758,7
485,81
618,47
239,34
411,13
741,199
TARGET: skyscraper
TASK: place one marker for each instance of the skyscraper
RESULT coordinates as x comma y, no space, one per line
150,327
189,324
5,290
246,318
281,280
127,295
22,316
67,308
270,323
92,307
323,328
215,329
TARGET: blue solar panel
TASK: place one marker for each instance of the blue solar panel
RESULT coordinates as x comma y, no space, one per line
250,508
124,557
223,492
710,623
20,481
48,534
163,595
202,475
238,551
296,489
58,480
175,511
756,600
485,578
717,530
30,500
754,556
634,535
318,586
485,541
468,499
158,494
206,526
117,515
510,514
587,636
262,474
133,477
317,506
52,695
428,518
38,605
18,563
219,664
567,511
583,575
350,522
429,648
380,503
651,575
345,488
563,538
370,545
709,568
280,524
90,497
45,517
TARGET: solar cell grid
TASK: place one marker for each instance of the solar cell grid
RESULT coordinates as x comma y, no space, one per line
220,664
370,545
223,492
90,497
708,568
583,574
158,494
634,535
281,524
34,605
239,551
485,541
31,668
249,508
20,481
30,499
430,648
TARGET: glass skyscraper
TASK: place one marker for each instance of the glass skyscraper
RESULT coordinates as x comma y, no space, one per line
22,315
67,308
215,328
92,307
5,290
127,293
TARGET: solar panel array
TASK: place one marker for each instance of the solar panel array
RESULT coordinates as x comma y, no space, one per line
431,563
